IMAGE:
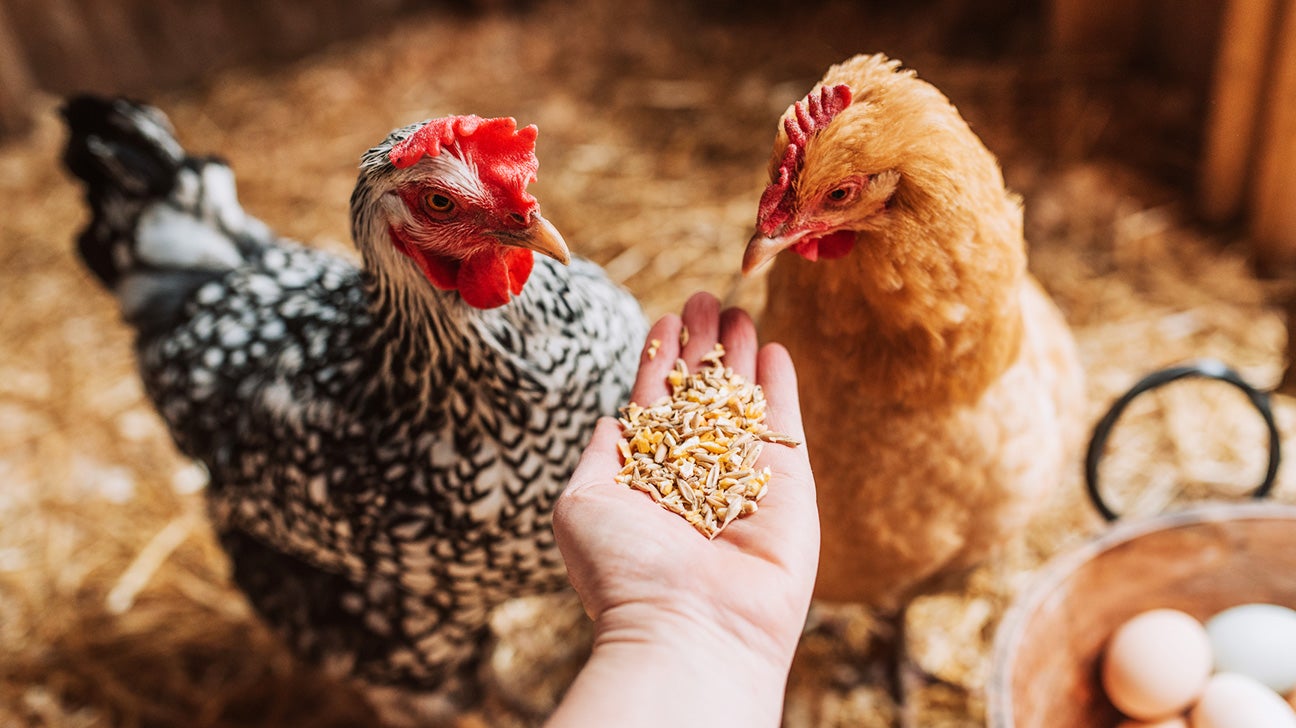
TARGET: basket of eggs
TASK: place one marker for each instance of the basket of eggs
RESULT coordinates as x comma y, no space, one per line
1178,620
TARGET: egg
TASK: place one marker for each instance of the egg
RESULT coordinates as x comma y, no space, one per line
1175,722
1257,640
1156,664
1231,700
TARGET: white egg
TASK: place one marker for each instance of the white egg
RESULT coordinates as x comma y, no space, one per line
1236,701
1257,640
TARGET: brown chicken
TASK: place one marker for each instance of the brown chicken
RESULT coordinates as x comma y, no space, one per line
941,388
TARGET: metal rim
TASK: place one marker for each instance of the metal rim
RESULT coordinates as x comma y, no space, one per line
1206,369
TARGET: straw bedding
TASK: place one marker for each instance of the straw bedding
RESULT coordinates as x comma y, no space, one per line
656,121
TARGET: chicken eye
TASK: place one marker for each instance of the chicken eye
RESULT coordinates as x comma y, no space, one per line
839,194
438,202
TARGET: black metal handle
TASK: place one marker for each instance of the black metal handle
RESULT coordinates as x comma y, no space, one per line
1206,368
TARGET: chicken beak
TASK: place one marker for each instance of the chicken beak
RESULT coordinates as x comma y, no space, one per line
761,249
540,236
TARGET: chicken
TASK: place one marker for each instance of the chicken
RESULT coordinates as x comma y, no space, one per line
941,388
384,443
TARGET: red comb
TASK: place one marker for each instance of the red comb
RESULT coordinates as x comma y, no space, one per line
809,116
503,154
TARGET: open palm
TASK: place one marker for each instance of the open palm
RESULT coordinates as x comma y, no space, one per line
639,568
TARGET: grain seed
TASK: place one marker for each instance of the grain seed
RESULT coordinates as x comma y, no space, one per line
694,452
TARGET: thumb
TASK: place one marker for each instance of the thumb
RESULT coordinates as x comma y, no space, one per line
600,462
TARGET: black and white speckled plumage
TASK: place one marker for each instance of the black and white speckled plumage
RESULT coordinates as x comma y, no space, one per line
383,457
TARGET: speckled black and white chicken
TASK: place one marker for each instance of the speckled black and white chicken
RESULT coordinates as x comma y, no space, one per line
384,443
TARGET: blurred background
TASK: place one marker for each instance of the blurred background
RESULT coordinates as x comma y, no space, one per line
1154,142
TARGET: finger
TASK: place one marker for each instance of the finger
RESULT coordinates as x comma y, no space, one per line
738,335
601,461
702,317
789,508
777,377
656,360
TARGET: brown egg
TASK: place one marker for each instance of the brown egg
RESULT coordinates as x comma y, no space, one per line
1175,722
1156,664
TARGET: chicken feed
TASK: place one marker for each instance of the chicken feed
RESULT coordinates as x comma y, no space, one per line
695,451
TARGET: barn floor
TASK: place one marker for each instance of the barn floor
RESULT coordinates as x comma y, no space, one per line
115,608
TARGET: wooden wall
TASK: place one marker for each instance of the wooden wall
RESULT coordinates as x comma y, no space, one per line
1240,52
15,78
1243,54
131,46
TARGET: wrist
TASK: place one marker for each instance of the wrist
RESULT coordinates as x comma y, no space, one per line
681,628
652,668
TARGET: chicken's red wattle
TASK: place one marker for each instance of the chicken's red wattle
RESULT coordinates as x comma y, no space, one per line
829,247
486,279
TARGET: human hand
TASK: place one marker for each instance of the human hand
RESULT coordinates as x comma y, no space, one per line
648,579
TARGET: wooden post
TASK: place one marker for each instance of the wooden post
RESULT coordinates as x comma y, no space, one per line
1274,223
1274,196
1241,71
